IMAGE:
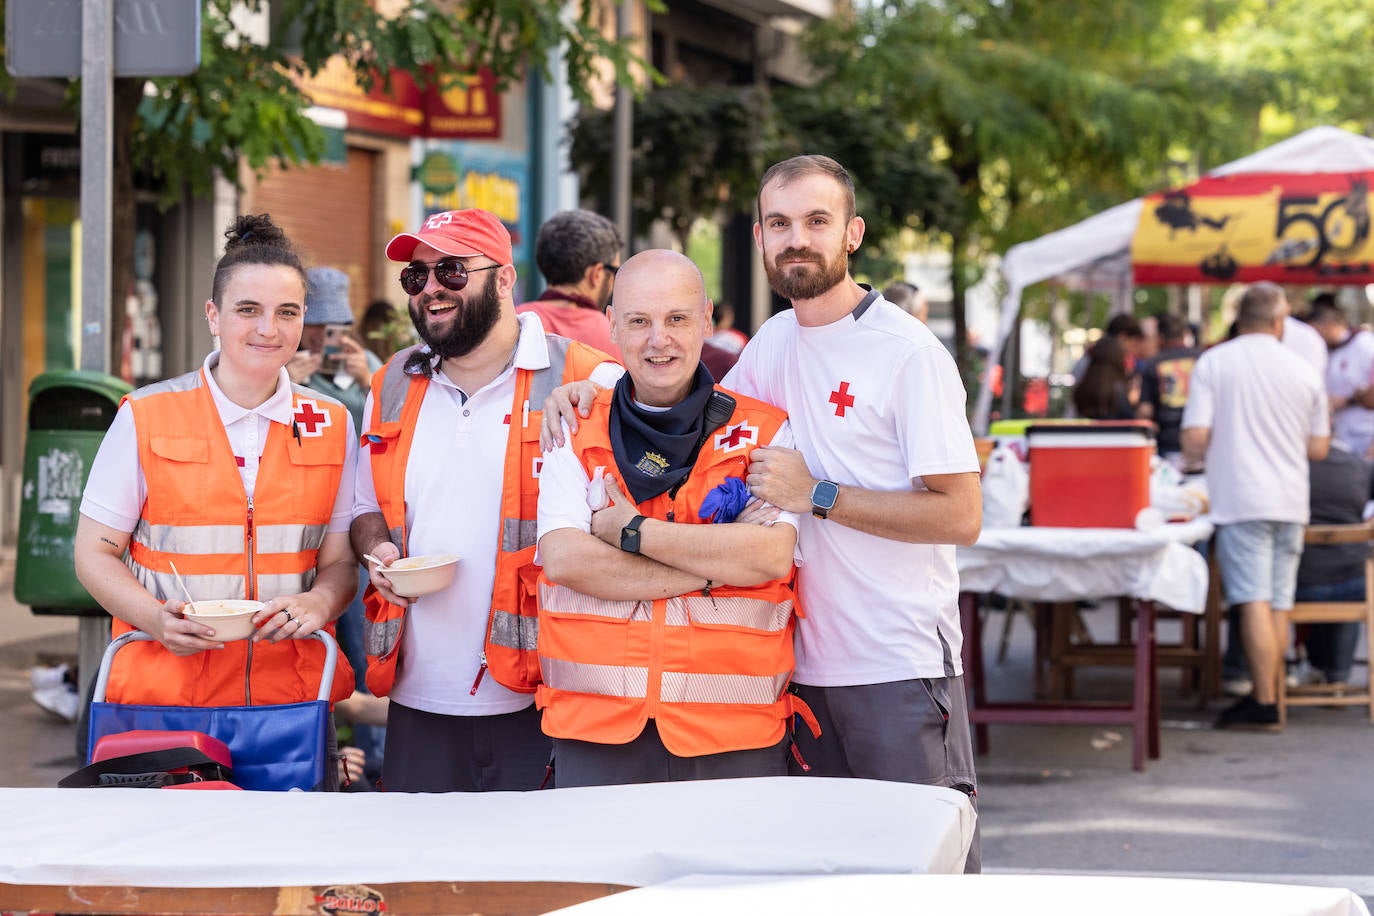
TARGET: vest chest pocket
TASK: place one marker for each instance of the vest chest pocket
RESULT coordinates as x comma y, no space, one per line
183,492
317,471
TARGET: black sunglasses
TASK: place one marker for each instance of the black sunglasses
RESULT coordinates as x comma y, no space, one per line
450,273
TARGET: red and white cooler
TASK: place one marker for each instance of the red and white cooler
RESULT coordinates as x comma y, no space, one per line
1091,475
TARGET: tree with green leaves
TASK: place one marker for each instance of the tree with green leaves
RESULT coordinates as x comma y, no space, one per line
698,153
242,105
1041,113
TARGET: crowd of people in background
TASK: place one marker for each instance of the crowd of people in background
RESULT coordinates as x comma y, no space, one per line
1278,419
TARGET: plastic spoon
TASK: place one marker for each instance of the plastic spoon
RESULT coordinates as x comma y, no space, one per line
368,556
186,591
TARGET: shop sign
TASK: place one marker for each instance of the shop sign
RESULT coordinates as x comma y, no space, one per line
469,108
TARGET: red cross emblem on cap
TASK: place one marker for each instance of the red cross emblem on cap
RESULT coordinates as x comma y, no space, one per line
841,399
737,436
309,419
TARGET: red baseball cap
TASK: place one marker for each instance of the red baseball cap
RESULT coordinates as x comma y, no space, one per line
458,233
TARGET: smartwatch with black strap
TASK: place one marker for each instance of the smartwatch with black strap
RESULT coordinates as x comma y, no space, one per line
629,535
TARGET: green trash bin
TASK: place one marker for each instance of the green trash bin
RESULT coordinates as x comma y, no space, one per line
69,412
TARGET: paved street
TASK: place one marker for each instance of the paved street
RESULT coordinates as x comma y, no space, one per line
1293,808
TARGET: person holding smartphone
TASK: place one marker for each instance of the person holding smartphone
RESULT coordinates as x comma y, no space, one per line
329,359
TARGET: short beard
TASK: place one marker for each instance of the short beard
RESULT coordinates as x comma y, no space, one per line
476,315
792,284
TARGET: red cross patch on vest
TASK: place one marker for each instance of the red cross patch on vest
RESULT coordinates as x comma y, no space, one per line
309,420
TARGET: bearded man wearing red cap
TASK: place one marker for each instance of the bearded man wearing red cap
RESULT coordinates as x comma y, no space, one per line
450,465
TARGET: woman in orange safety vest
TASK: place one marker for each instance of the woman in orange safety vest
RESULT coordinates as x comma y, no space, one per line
244,482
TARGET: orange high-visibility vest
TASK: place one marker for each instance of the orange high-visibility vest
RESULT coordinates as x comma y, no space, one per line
711,669
226,545
512,627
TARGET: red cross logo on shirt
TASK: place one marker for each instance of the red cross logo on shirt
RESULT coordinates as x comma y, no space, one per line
537,467
841,399
737,437
309,420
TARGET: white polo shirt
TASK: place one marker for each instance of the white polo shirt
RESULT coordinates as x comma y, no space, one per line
454,475
1349,368
875,401
116,489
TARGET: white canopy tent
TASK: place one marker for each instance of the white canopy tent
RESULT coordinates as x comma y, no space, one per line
1097,251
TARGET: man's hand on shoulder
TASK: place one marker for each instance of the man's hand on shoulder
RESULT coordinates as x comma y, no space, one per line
564,405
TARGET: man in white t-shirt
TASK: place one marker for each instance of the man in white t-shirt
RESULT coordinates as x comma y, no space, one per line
1257,412
885,480
1349,366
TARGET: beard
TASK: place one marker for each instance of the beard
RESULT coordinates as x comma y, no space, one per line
476,315
795,281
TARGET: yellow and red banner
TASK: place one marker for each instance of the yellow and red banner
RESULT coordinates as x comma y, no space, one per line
467,106
1285,227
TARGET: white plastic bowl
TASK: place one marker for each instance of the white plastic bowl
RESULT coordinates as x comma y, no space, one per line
230,619
412,577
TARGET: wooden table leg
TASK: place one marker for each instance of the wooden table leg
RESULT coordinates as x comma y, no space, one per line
1145,708
973,664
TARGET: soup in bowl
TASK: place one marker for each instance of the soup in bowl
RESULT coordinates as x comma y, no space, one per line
230,619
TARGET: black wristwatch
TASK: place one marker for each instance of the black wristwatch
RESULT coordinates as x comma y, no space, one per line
823,496
629,535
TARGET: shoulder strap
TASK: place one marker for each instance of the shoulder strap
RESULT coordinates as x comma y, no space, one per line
148,763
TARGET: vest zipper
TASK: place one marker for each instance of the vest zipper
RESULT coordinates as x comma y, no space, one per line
481,671
252,595
653,692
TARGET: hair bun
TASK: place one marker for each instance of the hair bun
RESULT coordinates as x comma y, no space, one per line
254,229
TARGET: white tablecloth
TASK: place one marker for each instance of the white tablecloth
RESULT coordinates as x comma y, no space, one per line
968,894
630,835
1073,564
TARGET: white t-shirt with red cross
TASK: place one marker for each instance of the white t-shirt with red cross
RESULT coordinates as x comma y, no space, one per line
875,401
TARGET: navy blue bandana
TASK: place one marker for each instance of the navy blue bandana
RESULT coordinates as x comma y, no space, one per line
654,449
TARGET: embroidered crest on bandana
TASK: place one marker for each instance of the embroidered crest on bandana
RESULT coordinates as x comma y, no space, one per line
309,420
653,464
738,436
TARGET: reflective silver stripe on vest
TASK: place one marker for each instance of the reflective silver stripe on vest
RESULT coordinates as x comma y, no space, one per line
289,538
380,638
562,600
732,689
518,533
187,382
190,539
163,586
602,680
737,611
272,586
513,631
544,381
395,384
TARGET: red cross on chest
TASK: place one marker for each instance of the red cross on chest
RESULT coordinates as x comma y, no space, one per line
842,399
309,419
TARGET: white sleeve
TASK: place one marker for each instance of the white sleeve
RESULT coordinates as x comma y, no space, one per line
116,489
1200,407
1321,414
563,484
745,376
931,426
342,516
364,493
605,375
